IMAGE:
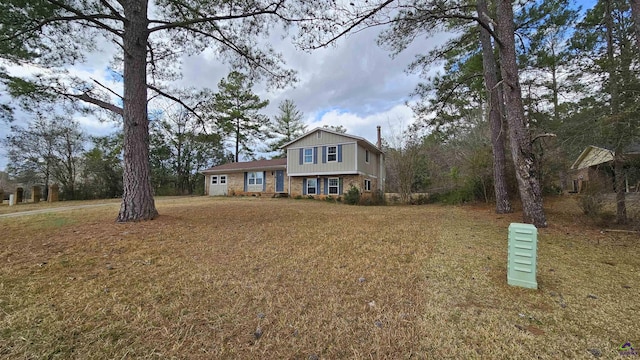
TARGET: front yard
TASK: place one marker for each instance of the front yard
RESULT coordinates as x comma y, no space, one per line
281,278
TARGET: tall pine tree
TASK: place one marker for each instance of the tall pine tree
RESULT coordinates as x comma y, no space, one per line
236,112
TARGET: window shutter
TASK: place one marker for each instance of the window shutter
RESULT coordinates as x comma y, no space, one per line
340,186
339,153
245,182
264,181
326,186
315,155
301,156
324,154
304,186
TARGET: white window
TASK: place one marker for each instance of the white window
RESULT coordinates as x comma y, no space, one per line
367,185
334,184
312,186
332,153
308,156
223,179
255,178
214,180
366,156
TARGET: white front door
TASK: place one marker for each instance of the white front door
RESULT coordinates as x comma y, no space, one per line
218,185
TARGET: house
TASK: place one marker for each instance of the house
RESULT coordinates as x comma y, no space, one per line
254,177
595,166
320,162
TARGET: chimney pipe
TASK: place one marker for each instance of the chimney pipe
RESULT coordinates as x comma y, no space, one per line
379,144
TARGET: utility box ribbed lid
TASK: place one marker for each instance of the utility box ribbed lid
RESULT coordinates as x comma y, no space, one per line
521,258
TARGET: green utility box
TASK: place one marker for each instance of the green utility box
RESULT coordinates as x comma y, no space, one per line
521,262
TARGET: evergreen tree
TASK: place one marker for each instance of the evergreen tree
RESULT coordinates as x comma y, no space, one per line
151,36
285,127
236,110
605,45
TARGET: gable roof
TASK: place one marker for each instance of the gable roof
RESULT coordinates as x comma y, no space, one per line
360,140
595,155
591,156
248,165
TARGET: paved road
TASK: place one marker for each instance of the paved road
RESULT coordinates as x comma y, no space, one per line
56,209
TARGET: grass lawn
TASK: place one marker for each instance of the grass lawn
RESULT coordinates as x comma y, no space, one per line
252,278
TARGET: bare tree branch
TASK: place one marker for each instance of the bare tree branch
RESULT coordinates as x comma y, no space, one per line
354,25
177,100
106,88
113,10
91,18
100,103
183,24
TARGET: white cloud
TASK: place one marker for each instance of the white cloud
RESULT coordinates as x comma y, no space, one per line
355,83
390,121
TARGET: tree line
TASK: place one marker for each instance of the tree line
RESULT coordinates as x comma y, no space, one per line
523,72
570,81
229,127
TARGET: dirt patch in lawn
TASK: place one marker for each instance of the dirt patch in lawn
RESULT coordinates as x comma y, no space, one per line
280,278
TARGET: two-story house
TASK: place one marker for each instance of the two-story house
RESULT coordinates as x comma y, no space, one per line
320,162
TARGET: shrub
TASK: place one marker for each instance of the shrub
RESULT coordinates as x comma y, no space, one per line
419,199
591,204
377,198
352,197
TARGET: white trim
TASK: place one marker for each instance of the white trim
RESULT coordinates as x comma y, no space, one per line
233,171
319,145
331,173
304,155
337,186
365,184
356,155
327,153
356,138
350,172
317,187
257,177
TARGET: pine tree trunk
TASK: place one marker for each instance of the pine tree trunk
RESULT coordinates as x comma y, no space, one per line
137,199
520,142
503,204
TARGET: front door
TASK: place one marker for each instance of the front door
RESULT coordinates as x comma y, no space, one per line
279,181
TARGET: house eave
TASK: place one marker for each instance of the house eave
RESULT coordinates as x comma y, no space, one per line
227,171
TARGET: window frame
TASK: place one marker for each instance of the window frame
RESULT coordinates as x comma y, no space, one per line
336,186
335,154
214,179
255,176
305,155
223,179
367,156
367,185
315,187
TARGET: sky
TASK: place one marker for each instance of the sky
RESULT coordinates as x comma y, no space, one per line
354,83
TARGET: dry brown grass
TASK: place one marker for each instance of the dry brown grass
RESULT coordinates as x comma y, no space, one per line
278,278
